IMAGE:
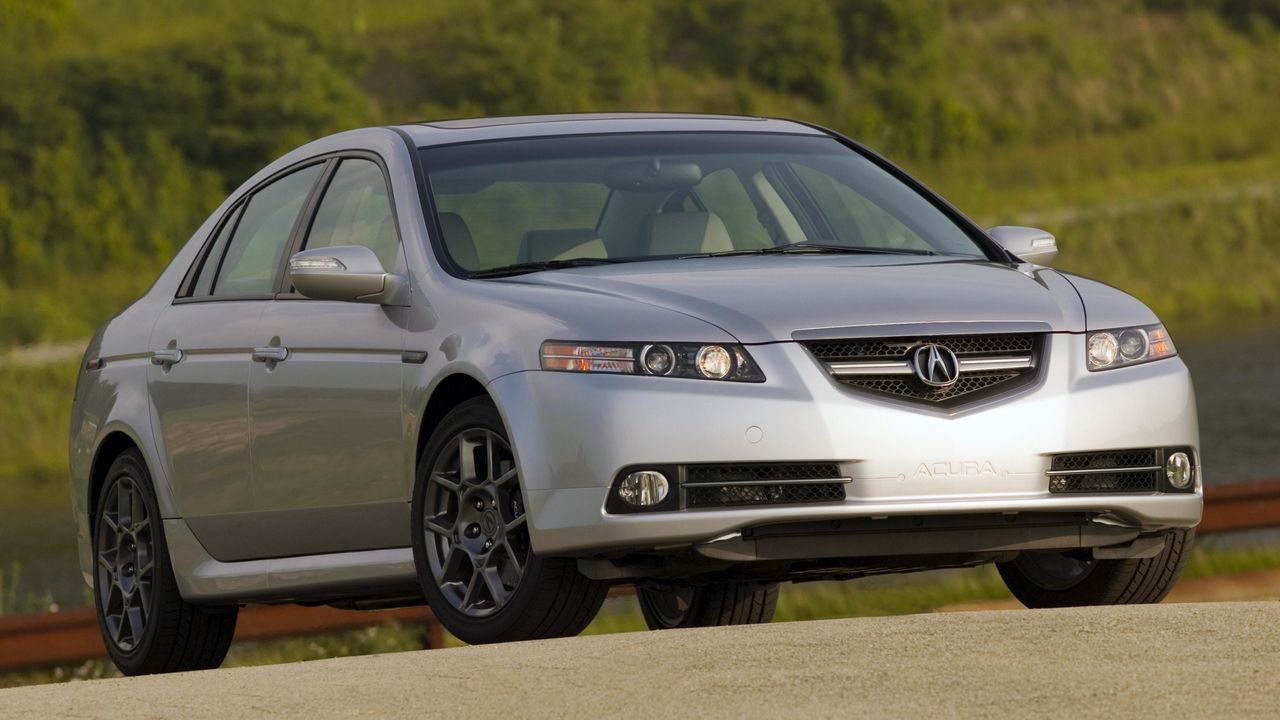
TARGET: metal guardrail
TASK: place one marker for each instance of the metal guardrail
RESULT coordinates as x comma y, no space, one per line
29,642
1241,506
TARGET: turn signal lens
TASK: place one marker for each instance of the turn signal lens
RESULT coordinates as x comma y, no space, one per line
1109,349
588,358
321,263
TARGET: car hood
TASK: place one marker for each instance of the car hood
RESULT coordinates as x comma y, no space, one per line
760,299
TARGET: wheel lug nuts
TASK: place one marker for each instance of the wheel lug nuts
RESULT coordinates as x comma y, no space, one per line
488,544
473,530
478,504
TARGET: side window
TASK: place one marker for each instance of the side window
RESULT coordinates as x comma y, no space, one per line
209,268
254,252
723,194
356,211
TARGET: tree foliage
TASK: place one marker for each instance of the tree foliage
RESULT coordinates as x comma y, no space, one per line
122,124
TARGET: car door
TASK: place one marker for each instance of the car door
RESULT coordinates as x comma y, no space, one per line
325,393
200,355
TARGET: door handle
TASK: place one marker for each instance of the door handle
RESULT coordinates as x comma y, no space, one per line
273,353
166,356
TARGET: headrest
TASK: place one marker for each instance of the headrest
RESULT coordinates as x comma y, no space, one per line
686,233
543,245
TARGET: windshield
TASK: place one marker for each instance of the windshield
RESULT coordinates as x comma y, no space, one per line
548,202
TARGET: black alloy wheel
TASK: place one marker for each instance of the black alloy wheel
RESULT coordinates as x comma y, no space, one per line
472,544
146,624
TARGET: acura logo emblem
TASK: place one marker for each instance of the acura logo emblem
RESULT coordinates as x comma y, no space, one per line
935,365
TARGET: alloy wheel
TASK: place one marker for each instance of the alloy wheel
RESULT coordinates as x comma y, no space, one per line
670,605
125,564
477,537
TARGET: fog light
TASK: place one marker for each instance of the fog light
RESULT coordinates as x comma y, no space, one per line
645,488
714,362
1179,470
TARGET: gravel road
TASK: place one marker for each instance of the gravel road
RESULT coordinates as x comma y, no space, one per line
1193,660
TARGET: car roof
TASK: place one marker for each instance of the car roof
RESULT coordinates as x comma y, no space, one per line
448,132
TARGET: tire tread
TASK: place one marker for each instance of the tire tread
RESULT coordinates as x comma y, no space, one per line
1110,582
183,636
719,604
559,602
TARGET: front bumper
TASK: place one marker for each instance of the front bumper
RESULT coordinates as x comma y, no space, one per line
573,433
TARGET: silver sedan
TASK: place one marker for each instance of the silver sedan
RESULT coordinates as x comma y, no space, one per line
503,364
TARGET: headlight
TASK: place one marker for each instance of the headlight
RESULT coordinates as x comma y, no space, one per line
1109,349
718,361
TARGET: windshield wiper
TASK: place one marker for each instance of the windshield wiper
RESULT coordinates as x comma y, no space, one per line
808,248
528,267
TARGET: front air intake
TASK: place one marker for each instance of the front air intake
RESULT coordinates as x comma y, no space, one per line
1135,470
738,485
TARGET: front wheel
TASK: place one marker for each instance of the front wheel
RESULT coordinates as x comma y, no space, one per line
730,603
471,543
1045,579
146,625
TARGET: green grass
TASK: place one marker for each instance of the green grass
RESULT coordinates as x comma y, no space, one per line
35,408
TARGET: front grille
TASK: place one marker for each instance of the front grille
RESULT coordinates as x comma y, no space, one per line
830,351
734,485
882,365
1135,470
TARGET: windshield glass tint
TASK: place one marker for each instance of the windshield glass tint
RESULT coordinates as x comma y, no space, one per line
649,196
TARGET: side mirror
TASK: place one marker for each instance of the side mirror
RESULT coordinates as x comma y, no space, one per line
349,273
1030,244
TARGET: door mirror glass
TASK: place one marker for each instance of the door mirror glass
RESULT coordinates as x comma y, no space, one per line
348,273
1029,244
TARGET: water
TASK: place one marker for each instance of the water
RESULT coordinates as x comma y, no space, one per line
1237,378
1236,372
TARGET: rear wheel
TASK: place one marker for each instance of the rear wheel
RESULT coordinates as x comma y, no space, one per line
471,540
1044,579
731,603
146,625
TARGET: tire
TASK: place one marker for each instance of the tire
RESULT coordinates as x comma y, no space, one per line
471,544
1047,579
133,584
731,603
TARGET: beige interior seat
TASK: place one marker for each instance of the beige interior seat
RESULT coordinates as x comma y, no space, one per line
458,240
544,245
685,233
